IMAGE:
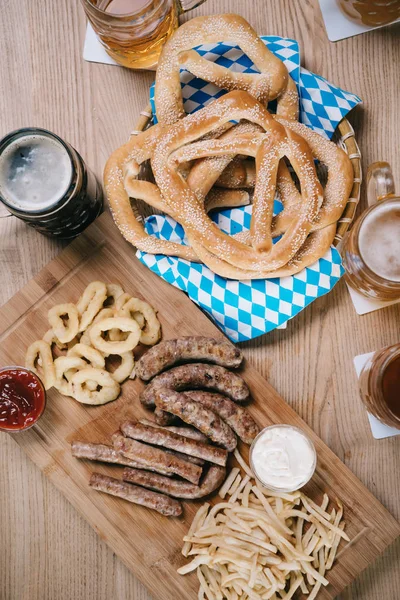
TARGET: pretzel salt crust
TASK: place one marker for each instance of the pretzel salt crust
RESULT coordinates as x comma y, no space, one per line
272,82
180,199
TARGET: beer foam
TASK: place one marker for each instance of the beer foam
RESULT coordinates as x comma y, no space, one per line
379,240
35,173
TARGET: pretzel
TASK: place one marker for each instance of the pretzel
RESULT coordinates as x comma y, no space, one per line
179,197
340,173
315,246
272,82
125,161
238,174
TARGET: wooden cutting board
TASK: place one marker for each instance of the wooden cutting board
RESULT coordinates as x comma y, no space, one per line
146,542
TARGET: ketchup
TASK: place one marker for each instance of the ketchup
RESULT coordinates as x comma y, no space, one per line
22,398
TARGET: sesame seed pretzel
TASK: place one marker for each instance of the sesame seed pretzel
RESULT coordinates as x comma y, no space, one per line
273,80
277,143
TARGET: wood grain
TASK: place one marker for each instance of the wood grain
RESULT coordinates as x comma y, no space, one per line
47,550
145,541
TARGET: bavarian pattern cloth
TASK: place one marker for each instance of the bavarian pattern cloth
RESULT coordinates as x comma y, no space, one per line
246,309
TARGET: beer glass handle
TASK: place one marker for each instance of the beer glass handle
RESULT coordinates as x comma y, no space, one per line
185,5
380,183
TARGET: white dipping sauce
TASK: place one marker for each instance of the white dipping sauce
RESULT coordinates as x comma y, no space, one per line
283,458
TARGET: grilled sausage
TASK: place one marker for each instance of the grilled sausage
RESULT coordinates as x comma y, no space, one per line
237,417
161,437
193,348
173,487
189,432
138,495
149,456
198,376
193,413
107,454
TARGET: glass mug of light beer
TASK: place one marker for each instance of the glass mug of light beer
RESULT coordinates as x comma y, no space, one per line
371,250
373,13
133,32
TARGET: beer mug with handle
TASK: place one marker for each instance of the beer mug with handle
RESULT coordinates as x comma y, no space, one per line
133,32
371,250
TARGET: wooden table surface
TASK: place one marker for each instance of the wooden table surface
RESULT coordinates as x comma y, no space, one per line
47,551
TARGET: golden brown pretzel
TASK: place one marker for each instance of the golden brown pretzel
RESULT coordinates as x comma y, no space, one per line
272,82
124,163
315,246
180,199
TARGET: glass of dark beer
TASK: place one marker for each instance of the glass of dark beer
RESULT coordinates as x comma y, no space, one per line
45,182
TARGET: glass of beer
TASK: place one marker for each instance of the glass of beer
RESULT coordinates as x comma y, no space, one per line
371,250
44,182
133,32
373,13
380,385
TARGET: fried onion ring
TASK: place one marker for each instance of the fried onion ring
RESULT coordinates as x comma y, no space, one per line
105,313
41,350
51,339
89,354
114,291
109,387
91,302
63,365
120,347
65,332
151,332
124,370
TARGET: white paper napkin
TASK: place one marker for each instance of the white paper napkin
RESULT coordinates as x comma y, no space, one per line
337,25
364,305
93,51
379,430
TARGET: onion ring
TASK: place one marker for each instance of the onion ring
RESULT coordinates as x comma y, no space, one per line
91,302
121,323
41,350
109,387
105,313
65,332
114,291
151,332
124,370
63,365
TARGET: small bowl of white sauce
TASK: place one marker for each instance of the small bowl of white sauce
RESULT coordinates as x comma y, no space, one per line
283,458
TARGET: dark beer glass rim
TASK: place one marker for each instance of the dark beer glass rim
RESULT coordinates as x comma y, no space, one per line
10,137
113,15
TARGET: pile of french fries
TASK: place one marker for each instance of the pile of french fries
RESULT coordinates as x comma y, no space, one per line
261,545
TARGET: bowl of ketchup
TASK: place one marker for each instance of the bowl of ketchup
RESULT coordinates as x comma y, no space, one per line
22,399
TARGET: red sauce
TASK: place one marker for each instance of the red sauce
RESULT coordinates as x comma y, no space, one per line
22,398
391,386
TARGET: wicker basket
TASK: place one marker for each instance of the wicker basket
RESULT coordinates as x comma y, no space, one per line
344,137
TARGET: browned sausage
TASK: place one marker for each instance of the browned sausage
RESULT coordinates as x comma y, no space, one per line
192,348
193,413
173,487
138,495
161,437
149,456
189,432
198,376
107,454
237,417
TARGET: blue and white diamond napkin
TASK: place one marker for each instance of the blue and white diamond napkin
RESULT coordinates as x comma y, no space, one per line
247,309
